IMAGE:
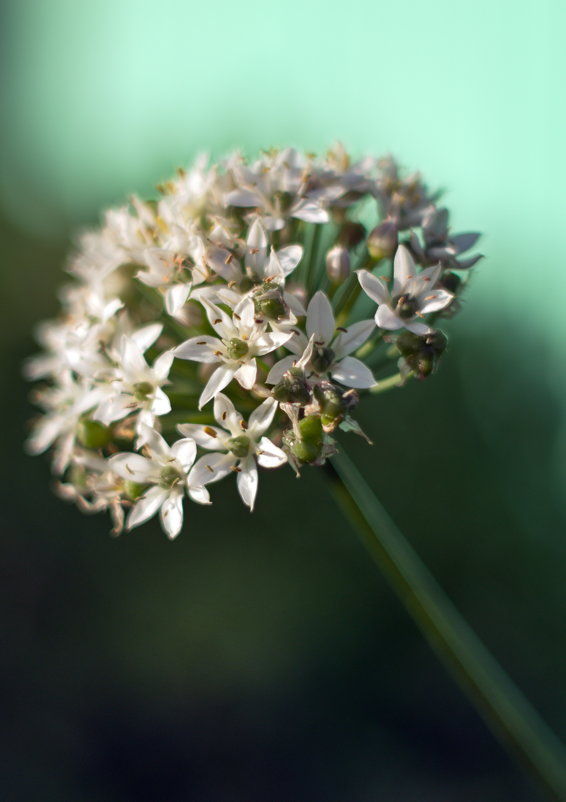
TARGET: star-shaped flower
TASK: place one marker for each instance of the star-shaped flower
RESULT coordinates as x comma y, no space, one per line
237,446
413,296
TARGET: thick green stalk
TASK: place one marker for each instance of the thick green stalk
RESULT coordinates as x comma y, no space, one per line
500,702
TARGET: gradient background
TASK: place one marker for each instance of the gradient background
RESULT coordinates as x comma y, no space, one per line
263,658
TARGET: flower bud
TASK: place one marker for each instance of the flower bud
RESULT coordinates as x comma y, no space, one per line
293,388
338,264
269,303
450,282
334,404
421,354
382,241
93,434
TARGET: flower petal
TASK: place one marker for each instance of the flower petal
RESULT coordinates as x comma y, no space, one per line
146,507
353,373
172,514
417,327
435,301
261,418
247,481
199,349
403,269
208,437
320,318
269,455
211,468
246,374
184,451
266,343
373,287
276,373
227,415
356,334
221,377
133,467
290,257
386,318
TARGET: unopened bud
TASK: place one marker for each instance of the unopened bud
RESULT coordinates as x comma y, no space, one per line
338,264
93,434
270,303
382,241
421,353
450,282
293,388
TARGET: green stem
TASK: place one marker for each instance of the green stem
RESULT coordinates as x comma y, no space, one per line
496,697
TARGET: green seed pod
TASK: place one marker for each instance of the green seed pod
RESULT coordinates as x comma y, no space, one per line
293,388
236,348
239,446
321,359
270,304
310,428
422,353
142,391
168,477
93,434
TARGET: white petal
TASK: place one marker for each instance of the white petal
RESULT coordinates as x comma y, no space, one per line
211,468
202,435
246,375
199,494
386,318
185,452
146,507
114,408
373,287
403,269
219,320
146,336
131,356
290,257
161,404
320,318
175,298
310,212
274,268
243,197
356,334
154,441
435,301
162,364
424,282
276,373
261,418
199,349
417,327
247,481
172,514
133,467
353,373
266,343
226,414
269,455
257,238
244,314
221,377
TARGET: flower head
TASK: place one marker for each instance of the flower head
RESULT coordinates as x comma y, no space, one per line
237,290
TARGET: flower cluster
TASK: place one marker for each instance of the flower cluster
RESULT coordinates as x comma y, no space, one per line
235,322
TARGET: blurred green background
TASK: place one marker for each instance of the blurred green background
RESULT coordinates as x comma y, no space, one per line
263,658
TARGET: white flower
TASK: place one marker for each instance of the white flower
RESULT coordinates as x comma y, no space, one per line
165,470
242,340
133,384
237,446
324,354
413,294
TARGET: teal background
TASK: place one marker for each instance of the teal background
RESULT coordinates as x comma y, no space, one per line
263,657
